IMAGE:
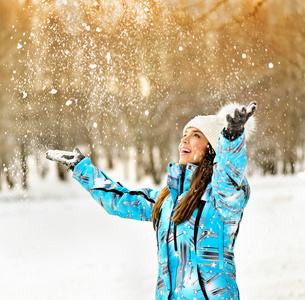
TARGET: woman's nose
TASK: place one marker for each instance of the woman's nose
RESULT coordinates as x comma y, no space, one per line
184,139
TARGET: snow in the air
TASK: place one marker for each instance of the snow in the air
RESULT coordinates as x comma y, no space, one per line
108,57
58,243
69,102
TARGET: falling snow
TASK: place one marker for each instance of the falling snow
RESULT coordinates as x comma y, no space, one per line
140,71
108,57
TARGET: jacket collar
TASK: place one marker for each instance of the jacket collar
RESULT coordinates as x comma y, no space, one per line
179,176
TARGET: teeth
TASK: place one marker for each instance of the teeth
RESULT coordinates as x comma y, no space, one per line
186,151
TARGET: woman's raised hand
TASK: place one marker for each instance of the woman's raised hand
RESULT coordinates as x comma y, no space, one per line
236,122
67,158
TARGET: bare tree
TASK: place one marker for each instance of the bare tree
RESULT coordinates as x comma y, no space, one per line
116,75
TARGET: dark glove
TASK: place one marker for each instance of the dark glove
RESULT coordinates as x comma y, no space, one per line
69,159
236,123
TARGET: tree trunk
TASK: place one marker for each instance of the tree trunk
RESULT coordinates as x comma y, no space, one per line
139,163
62,172
109,158
24,166
9,181
153,170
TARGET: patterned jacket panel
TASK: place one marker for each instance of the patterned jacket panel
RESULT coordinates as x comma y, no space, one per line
230,188
114,198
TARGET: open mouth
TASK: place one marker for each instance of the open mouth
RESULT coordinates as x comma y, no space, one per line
185,151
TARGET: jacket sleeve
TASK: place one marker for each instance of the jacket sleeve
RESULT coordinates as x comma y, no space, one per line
113,197
230,188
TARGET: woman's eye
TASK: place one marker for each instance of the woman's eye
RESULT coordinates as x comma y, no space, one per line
197,135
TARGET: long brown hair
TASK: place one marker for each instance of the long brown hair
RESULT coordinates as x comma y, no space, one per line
200,179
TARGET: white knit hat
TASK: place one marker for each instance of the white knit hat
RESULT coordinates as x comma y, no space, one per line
212,125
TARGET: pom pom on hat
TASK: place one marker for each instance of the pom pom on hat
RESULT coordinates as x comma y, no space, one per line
212,125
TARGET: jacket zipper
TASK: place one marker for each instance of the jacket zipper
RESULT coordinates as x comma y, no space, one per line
180,192
182,180
175,238
196,228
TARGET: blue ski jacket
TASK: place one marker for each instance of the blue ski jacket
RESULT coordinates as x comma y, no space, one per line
195,258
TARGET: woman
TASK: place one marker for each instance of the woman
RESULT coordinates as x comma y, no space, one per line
196,216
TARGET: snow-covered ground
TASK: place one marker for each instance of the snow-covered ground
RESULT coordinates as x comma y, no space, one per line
57,243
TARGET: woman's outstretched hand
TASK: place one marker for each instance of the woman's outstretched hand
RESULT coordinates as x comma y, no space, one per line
236,123
67,158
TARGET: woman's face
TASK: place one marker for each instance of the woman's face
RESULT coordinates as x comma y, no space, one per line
192,146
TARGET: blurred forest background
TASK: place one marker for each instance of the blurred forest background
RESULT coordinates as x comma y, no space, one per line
120,78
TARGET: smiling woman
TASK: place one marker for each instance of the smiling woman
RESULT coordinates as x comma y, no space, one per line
193,146
196,216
